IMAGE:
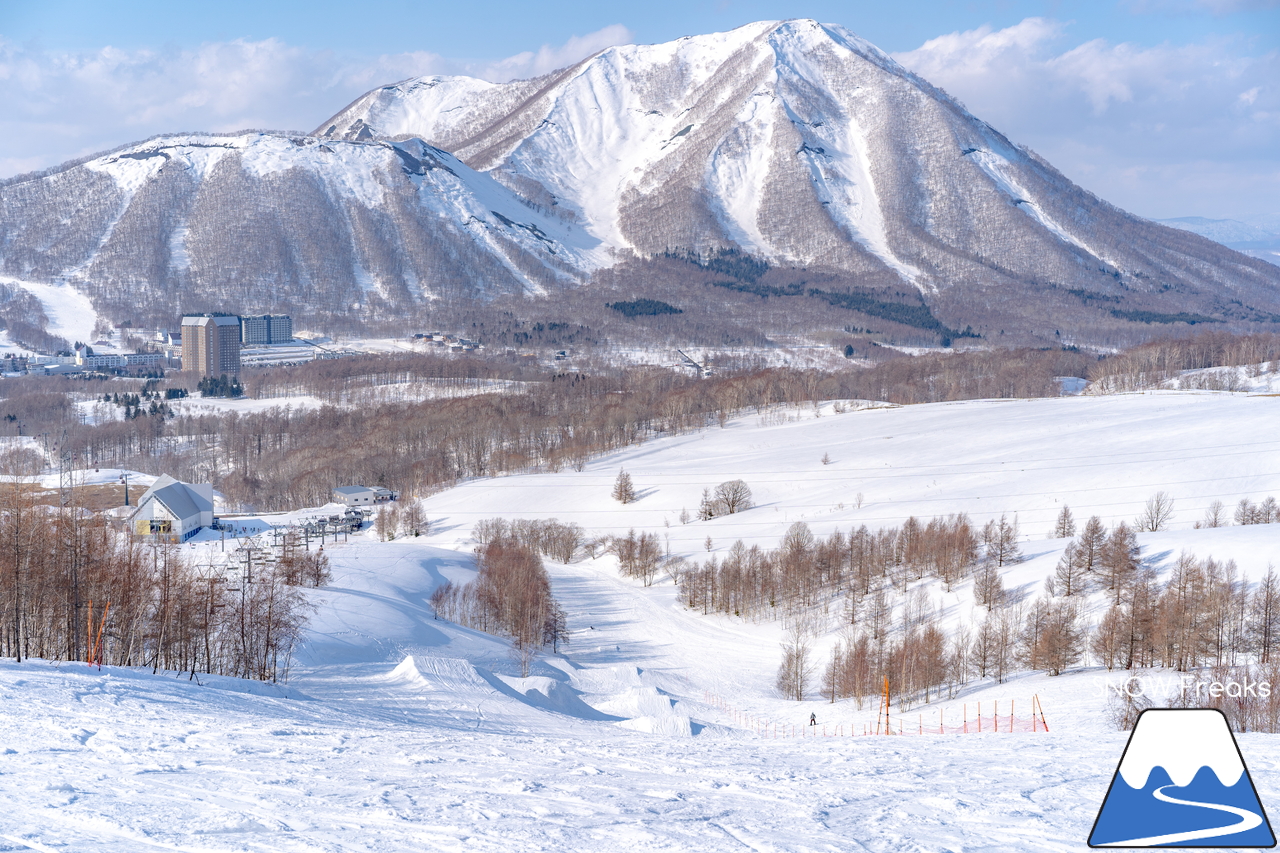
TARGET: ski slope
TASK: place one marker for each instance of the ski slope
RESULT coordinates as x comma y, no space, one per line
398,732
1102,456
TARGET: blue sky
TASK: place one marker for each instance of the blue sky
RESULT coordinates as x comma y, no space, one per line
1165,107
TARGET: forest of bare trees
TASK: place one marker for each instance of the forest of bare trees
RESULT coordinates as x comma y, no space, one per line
1149,364
510,597
74,588
1203,615
520,420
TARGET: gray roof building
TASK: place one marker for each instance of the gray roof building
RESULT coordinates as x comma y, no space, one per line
173,510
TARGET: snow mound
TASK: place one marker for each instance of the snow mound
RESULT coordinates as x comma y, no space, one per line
639,702
548,694
675,725
648,711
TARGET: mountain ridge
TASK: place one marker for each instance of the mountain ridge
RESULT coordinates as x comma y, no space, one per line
795,143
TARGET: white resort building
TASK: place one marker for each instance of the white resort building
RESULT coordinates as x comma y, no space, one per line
172,511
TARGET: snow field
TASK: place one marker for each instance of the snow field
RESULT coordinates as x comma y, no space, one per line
398,732
1098,455
71,313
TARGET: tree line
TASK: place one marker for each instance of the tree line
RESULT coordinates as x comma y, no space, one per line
509,419
1147,365
74,588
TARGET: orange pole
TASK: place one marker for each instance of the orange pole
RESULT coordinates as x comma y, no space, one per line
101,630
887,730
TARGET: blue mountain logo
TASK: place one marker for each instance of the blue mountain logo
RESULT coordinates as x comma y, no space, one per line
1182,782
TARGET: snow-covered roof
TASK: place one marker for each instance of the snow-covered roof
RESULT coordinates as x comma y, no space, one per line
177,497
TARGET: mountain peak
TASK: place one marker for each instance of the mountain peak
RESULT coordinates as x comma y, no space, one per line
796,145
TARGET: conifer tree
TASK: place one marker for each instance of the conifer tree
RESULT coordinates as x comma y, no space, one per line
1065,527
1092,539
623,491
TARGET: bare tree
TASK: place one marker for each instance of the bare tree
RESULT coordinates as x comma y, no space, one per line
387,522
638,556
706,507
988,586
1118,560
1155,516
1001,541
413,522
1265,616
1069,575
1214,515
797,668
1092,539
623,492
732,496
1052,638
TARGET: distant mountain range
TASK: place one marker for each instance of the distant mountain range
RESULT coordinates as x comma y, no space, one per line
1258,236
780,178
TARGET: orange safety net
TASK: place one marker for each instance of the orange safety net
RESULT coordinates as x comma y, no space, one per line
979,718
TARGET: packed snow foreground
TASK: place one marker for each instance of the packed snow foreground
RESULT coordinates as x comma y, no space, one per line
654,728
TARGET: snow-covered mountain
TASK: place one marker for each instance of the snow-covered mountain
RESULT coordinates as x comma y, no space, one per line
282,223
1225,231
852,186
802,144
1259,238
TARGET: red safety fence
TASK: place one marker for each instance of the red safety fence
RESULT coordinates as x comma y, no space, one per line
968,718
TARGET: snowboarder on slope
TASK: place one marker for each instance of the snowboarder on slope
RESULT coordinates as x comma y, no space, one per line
813,719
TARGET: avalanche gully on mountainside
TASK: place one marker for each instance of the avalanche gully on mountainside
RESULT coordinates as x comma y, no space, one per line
850,181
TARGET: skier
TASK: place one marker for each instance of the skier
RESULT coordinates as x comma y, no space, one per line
813,719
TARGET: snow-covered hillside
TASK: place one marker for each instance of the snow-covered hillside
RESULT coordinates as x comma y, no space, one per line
281,221
398,732
1099,455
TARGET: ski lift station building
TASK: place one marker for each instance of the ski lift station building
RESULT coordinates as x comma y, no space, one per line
173,511
363,495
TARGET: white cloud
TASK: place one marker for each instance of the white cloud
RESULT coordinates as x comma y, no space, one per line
1164,131
549,58
56,106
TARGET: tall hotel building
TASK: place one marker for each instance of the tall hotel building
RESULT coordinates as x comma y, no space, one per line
211,344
